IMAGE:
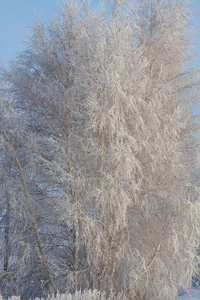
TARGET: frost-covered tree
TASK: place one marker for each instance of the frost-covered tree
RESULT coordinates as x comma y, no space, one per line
106,100
22,247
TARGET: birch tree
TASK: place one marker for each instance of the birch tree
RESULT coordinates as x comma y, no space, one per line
23,250
107,101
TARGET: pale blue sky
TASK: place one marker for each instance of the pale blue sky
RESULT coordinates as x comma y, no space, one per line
17,15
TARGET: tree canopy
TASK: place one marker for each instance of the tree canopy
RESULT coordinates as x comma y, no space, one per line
99,154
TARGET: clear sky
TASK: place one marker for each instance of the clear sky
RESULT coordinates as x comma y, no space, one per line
17,15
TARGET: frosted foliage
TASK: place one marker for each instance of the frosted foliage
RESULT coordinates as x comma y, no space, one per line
86,295
103,154
11,298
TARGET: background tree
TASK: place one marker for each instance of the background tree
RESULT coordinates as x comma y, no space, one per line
108,162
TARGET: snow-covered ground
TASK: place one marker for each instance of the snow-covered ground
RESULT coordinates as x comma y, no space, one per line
194,295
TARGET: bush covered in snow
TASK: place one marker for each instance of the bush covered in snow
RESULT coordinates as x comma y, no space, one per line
86,295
